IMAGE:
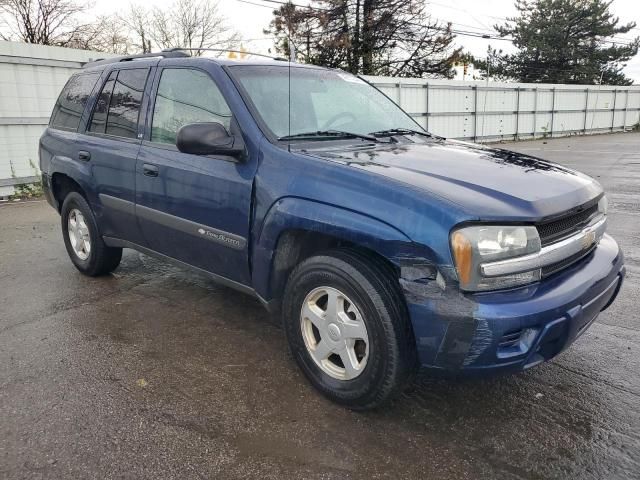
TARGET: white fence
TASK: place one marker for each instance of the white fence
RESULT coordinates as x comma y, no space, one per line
31,77
492,111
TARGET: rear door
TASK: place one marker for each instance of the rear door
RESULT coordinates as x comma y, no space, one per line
193,208
59,145
111,144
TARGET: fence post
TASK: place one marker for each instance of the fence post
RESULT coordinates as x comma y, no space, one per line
517,111
553,109
427,112
475,113
535,111
586,111
626,107
613,112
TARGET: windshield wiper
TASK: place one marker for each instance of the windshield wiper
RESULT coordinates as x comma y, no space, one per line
329,134
401,131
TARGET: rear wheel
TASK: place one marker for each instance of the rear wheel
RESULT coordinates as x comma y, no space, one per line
82,239
348,328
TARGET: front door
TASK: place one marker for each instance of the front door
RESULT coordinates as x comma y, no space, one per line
193,208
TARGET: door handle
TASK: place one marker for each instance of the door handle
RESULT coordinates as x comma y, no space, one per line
84,155
150,170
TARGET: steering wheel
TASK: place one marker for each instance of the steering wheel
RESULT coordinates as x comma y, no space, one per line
335,118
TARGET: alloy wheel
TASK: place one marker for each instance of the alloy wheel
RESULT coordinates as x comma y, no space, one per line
334,333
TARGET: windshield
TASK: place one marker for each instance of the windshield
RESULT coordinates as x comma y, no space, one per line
321,100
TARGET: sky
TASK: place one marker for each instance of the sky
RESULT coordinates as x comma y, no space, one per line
250,17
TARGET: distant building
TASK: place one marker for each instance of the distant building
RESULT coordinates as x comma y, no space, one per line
467,71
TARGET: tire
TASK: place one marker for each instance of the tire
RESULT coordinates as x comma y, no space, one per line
97,259
365,286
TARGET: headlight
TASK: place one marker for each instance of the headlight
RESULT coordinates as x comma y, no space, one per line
603,205
472,246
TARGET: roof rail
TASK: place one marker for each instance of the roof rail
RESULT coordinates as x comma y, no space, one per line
222,50
171,53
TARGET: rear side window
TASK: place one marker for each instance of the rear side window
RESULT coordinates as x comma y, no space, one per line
118,106
186,96
70,105
99,117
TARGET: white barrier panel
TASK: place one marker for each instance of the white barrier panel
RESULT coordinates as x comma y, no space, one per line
490,111
31,77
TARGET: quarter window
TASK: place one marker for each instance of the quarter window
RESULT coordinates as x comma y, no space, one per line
186,96
70,105
118,106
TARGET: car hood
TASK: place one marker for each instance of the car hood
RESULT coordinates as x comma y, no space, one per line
488,183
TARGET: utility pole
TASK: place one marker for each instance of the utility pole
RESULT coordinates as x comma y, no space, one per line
488,64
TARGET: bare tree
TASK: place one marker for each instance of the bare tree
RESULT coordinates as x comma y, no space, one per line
105,34
46,22
193,24
138,22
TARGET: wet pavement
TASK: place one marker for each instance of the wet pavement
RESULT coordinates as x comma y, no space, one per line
154,372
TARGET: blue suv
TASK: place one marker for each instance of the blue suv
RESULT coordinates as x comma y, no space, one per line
383,248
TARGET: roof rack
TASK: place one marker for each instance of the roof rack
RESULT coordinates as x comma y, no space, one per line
178,52
222,50
171,53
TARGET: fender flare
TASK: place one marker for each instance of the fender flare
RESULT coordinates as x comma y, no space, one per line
79,173
299,214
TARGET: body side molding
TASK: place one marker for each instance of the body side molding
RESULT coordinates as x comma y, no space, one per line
116,203
227,239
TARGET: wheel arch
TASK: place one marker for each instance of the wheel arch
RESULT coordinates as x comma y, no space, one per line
61,185
295,229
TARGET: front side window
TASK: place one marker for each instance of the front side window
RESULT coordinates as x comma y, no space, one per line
70,105
298,100
118,106
186,96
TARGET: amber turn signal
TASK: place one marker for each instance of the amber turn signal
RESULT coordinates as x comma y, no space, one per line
462,253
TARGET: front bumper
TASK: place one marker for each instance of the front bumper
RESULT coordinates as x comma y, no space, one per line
516,329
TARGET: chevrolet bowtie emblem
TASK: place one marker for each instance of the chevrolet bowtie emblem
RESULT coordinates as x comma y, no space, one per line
588,239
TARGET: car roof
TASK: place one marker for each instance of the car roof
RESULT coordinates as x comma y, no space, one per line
153,59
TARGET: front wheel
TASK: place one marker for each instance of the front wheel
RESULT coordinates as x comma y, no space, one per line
82,239
348,328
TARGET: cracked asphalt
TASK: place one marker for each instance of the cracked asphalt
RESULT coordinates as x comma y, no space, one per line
154,372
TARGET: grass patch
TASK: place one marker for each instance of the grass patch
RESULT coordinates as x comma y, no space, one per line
27,191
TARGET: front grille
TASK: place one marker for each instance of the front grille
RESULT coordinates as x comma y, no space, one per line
566,226
556,267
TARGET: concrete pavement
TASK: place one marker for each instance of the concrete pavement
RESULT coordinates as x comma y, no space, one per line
153,372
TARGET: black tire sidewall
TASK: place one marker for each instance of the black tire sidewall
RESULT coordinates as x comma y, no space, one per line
76,201
344,277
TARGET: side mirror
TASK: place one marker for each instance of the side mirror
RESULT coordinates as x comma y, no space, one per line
210,138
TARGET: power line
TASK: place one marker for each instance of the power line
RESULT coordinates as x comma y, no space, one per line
256,4
467,33
455,31
279,2
444,5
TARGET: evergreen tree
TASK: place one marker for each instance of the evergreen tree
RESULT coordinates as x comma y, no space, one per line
564,41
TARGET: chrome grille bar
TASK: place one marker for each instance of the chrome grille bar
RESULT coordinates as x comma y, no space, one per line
554,253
